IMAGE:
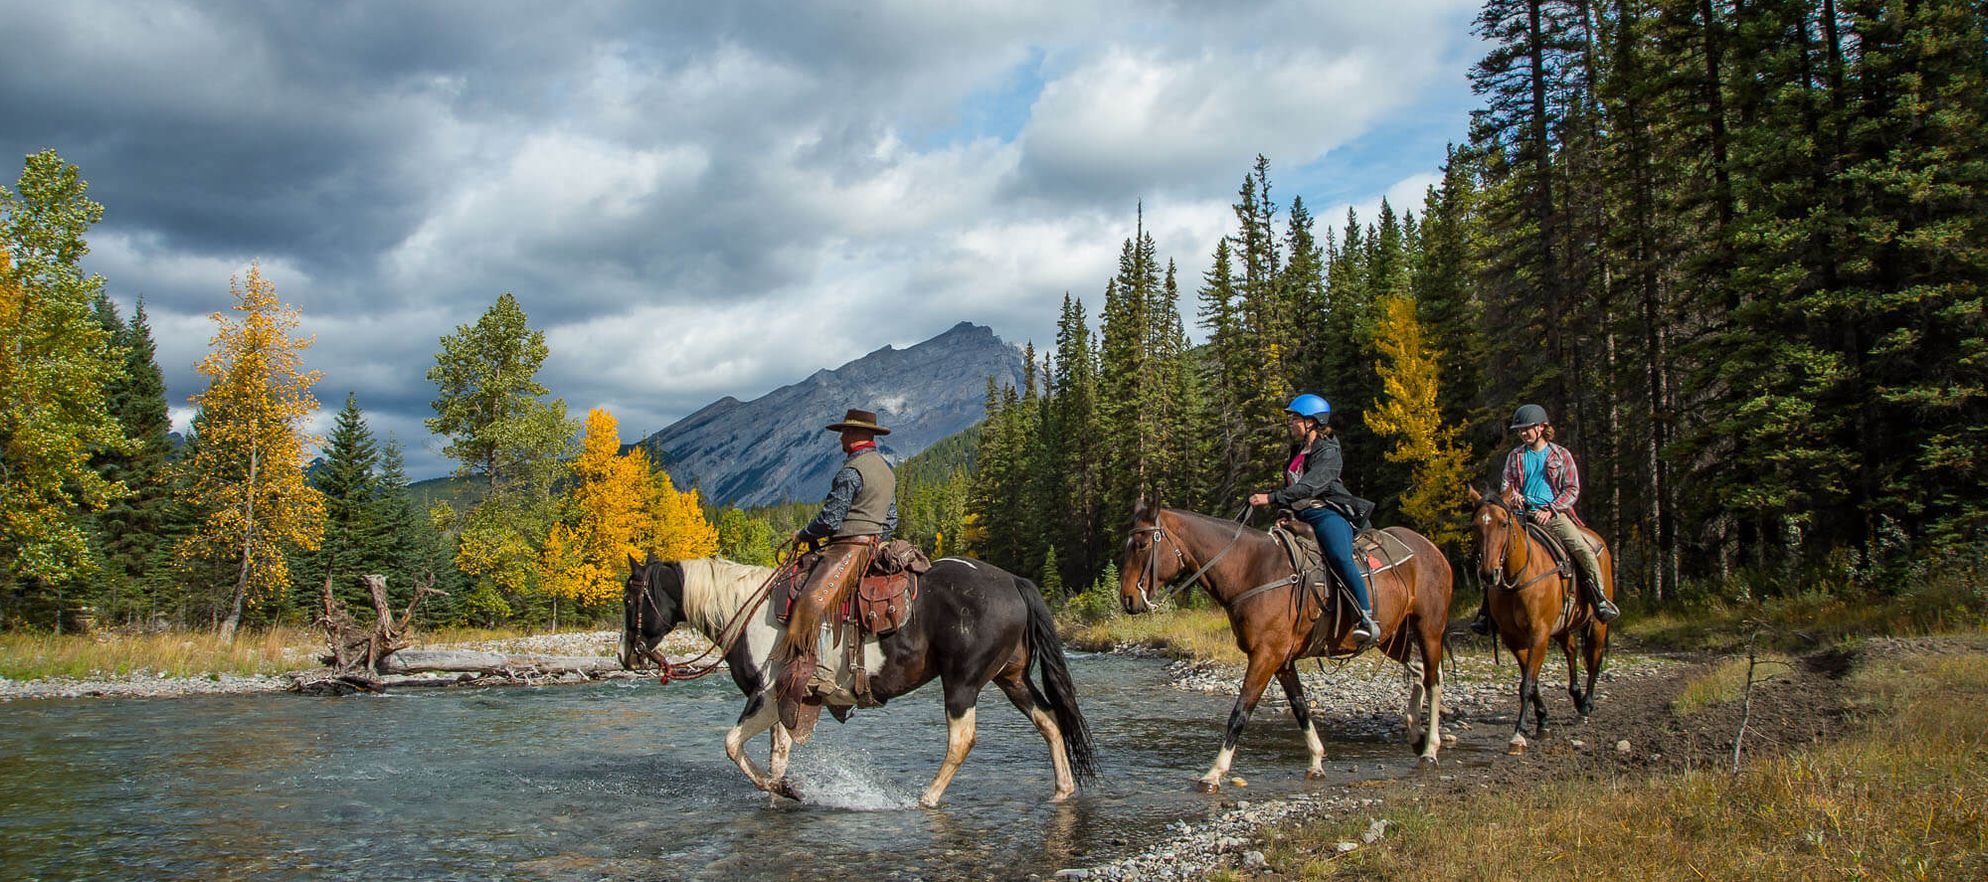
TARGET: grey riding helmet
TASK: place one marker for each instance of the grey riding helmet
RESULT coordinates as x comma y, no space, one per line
1528,416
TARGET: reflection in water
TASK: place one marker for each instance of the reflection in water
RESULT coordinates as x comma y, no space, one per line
605,781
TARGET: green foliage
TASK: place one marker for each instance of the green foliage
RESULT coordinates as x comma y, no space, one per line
58,363
745,539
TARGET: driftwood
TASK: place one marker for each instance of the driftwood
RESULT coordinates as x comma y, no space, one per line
360,654
420,661
357,649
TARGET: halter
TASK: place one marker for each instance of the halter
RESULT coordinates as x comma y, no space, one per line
1149,572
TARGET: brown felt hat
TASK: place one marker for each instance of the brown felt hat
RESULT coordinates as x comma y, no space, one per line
859,419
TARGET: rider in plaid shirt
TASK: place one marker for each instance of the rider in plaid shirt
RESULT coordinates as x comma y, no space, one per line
1547,482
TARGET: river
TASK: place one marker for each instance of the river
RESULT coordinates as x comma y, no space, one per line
613,780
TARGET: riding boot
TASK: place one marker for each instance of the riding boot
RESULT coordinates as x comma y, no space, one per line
1481,623
1365,632
1605,611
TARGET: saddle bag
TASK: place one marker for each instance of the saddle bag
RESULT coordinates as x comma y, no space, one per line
883,598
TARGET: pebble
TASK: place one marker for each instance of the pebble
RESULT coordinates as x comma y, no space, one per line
1622,746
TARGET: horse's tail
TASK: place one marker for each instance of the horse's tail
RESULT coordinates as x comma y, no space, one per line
1058,693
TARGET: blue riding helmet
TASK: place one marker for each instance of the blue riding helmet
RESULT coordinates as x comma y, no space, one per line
1309,405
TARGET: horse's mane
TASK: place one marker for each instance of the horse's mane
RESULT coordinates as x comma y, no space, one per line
1227,525
714,588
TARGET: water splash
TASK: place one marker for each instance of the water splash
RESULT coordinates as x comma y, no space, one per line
849,781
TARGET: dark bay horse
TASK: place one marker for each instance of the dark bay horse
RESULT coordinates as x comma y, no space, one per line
1249,574
972,623
1531,606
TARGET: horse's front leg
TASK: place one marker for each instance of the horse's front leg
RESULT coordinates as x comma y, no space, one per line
759,715
1301,710
960,735
1529,659
1261,668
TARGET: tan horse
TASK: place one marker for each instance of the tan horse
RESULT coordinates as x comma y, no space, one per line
1532,606
1249,574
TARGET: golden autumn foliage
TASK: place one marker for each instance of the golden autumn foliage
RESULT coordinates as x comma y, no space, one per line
676,528
246,474
586,552
618,507
1407,412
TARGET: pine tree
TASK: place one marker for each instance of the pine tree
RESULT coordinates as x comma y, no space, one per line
247,475
131,531
355,541
744,538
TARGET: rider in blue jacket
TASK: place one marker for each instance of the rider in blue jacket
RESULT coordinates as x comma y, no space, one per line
1313,491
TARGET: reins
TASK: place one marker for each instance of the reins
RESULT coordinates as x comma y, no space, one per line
1519,535
696,667
1149,573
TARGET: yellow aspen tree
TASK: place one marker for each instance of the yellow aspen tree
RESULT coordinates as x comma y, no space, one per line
585,554
246,474
1407,413
676,528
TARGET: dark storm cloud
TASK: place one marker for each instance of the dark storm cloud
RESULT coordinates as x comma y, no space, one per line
669,188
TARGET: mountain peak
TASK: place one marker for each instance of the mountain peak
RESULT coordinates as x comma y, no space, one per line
772,449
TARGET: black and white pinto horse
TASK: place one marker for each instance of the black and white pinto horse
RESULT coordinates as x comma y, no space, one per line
972,623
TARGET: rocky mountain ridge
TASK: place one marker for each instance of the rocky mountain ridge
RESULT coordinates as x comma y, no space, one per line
772,449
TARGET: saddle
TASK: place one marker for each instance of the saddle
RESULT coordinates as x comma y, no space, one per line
1374,552
1563,564
882,600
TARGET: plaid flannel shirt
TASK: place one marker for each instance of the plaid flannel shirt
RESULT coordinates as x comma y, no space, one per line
1561,475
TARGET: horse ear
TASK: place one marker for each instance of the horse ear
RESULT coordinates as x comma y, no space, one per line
1474,495
634,563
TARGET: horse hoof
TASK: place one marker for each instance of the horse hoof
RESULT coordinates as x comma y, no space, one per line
1515,750
927,802
782,788
1208,786
1314,774
1427,762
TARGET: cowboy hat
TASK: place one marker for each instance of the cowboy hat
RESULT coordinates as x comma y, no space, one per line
859,419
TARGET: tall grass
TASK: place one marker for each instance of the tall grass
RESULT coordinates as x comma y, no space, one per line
1201,634
1891,801
174,654
29,656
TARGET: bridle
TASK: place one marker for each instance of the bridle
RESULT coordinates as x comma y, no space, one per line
729,635
1502,576
1149,571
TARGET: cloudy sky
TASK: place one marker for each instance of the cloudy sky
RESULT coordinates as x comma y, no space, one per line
695,199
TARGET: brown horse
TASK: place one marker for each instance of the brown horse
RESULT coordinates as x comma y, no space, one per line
1532,605
1251,576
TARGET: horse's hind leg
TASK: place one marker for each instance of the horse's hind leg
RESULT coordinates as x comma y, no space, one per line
1411,678
1015,685
1594,645
1431,684
1580,698
1294,689
959,740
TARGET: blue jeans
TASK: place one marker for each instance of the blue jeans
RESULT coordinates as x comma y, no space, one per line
1335,539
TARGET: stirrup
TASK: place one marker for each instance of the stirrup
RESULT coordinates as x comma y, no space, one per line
1605,611
1368,627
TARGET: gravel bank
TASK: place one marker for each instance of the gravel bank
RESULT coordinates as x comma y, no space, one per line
1365,695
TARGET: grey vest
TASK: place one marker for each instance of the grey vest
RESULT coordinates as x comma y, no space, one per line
871,509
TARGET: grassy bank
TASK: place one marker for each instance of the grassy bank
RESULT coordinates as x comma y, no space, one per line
186,653
1189,633
1889,801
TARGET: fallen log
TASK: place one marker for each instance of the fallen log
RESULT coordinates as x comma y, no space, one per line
413,661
